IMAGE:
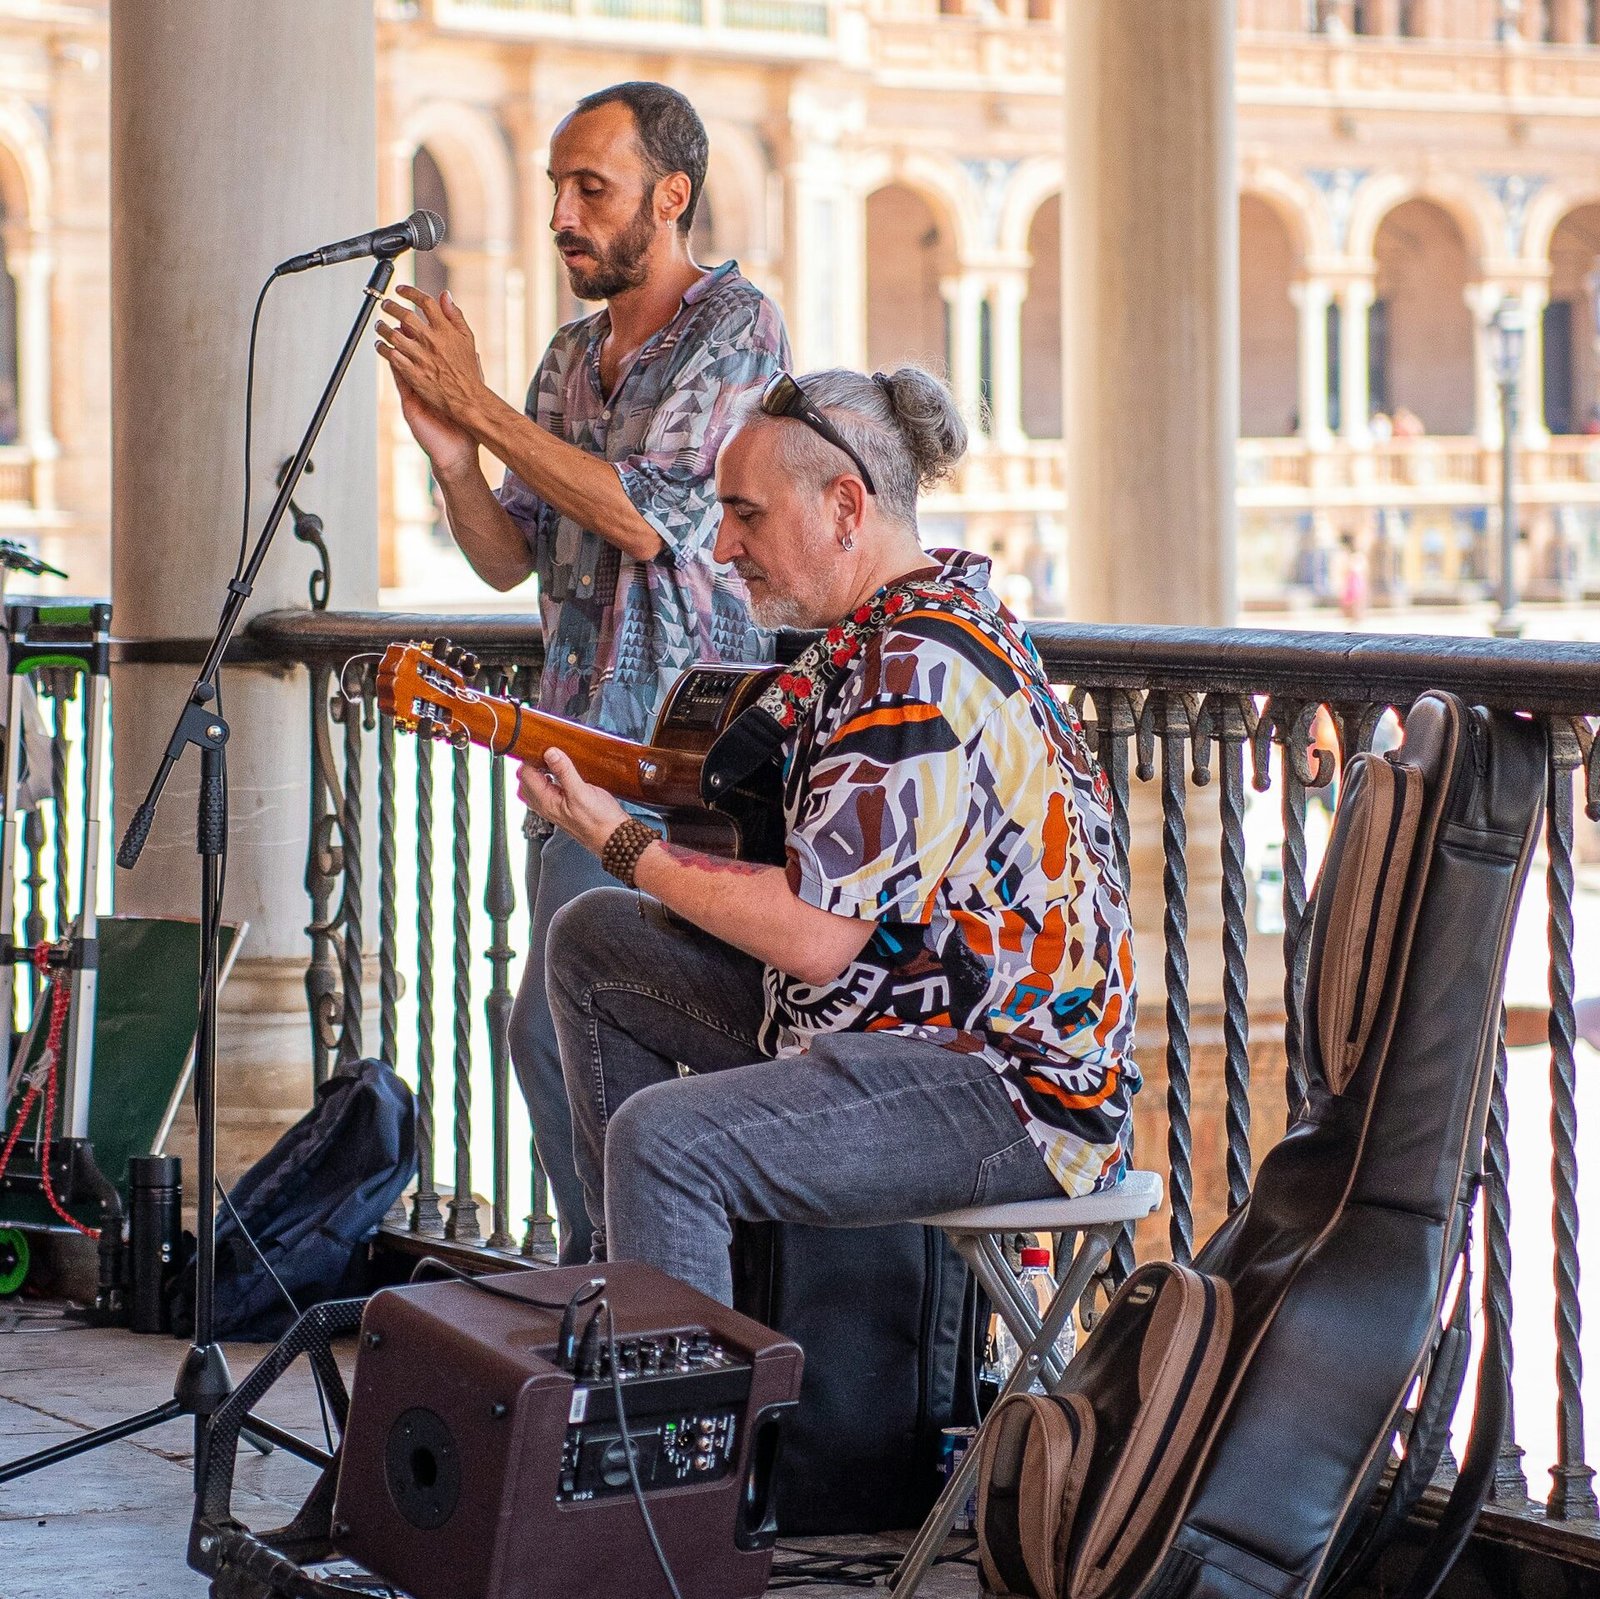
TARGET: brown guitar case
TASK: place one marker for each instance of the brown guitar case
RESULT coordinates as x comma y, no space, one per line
1224,1429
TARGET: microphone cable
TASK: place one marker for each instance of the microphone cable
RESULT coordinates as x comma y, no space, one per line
249,412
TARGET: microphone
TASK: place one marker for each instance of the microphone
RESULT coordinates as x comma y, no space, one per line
422,230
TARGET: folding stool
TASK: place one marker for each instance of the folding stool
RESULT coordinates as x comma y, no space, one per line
1086,1227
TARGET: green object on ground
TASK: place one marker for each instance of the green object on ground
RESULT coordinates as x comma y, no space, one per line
15,1257
146,1014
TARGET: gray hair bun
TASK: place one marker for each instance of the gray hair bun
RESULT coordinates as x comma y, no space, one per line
927,419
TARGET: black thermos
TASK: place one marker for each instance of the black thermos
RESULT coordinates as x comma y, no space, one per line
155,1220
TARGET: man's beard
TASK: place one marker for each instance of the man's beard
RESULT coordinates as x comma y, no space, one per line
769,609
619,267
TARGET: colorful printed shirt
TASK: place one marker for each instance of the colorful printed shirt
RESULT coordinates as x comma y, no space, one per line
940,788
618,630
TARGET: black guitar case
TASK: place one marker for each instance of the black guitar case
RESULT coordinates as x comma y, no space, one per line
1224,1430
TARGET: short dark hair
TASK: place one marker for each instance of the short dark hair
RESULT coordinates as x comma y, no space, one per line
671,134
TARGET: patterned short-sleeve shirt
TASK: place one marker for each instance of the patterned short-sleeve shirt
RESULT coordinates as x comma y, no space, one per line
617,630
943,790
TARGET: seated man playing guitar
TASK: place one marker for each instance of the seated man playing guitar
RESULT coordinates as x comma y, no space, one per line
931,1004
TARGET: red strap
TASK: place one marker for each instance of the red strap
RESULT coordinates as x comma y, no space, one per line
60,1002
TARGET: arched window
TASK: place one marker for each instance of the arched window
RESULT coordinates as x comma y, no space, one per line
428,193
10,418
909,256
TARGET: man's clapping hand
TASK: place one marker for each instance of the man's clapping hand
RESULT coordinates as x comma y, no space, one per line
434,358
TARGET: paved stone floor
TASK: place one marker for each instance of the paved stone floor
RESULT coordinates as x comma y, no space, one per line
113,1524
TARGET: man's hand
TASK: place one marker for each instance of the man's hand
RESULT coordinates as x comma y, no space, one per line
448,446
433,354
554,789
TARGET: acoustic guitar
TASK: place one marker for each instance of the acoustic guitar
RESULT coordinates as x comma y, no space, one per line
428,690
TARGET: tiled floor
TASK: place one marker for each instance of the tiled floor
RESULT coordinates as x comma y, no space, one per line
113,1524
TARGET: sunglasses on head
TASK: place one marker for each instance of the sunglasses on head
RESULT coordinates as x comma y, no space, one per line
783,396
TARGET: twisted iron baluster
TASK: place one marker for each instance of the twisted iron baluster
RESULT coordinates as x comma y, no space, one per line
1231,731
1510,1487
500,900
62,685
1572,1495
1115,730
388,873
324,867
1295,729
350,906
426,1217
1173,726
462,1222
539,1231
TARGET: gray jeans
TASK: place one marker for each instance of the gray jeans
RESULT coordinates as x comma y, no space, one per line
559,869
863,1129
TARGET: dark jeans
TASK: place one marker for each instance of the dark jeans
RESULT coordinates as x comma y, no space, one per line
864,1128
559,869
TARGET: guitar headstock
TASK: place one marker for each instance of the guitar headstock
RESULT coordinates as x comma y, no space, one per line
427,689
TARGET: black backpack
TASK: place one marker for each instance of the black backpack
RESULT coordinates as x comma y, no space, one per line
310,1206
888,1318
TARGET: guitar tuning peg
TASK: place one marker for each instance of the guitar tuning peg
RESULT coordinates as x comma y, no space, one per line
442,649
460,738
469,663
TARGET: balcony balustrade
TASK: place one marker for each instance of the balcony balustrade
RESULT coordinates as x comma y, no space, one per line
763,27
1177,715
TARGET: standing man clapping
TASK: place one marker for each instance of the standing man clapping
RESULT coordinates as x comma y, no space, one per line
609,497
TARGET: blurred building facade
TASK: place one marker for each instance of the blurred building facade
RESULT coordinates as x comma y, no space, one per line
891,170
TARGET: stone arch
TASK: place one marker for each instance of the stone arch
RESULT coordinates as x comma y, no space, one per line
735,221
1041,322
1476,213
473,160
1424,338
946,190
912,252
1546,212
1034,184
1571,397
25,188
1297,208
1271,259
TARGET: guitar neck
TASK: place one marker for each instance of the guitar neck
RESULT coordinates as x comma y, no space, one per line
638,772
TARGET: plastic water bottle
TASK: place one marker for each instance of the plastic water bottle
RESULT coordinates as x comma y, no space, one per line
1037,1283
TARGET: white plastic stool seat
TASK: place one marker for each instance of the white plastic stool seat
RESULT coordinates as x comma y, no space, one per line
1134,1198
1094,1222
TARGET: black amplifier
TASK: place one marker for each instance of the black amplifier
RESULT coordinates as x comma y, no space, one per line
484,1461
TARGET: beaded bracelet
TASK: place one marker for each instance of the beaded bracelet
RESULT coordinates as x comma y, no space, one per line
622,850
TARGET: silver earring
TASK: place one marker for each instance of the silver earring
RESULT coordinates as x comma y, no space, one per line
848,542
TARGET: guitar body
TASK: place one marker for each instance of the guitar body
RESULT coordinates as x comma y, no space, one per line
702,702
427,689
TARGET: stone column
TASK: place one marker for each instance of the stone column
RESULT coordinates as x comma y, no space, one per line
1007,292
1150,308
1355,381
33,270
1312,299
223,120
1531,429
1483,300
824,269
964,295
1567,18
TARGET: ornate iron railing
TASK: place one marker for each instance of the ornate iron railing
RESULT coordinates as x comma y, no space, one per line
1172,711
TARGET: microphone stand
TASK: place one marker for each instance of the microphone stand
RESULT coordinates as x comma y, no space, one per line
203,1381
